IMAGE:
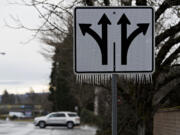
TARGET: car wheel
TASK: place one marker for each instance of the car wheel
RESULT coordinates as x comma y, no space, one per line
42,124
70,125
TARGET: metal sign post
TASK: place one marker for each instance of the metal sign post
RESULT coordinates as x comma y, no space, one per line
114,104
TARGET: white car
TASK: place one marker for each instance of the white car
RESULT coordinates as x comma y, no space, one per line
69,119
16,114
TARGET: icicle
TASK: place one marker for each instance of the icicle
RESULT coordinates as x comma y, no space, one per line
85,77
106,78
80,79
77,78
88,79
94,79
137,77
98,79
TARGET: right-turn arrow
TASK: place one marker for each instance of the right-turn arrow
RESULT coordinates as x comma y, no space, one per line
142,29
126,41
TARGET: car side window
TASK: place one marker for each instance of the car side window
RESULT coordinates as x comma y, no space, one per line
57,115
60,115
52,115
72,115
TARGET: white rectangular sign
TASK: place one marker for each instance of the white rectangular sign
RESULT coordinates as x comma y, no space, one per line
113,39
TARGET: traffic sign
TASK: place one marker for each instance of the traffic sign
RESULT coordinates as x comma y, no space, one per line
113,39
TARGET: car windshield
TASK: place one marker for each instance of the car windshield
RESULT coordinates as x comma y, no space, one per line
49,115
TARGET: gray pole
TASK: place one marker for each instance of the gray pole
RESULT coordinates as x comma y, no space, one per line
114,104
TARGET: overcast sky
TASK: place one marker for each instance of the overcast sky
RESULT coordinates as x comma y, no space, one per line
23,66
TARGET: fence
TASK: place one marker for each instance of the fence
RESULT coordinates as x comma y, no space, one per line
167,122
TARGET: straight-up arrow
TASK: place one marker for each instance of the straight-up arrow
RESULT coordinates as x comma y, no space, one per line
104,21
124,48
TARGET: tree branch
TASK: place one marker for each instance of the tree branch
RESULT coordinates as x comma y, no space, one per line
164,99
89,2
167,77
165,5
171,58
141,2
169,32
126,2
161,10
165,49
106,2
163,91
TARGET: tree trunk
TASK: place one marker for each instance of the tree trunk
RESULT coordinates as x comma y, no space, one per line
89,2
142,128
145,127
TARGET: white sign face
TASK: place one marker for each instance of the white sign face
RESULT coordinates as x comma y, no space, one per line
113,39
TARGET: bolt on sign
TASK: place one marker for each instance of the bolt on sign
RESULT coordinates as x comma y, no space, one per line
113,39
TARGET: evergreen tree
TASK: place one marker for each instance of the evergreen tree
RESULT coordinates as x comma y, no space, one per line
62,76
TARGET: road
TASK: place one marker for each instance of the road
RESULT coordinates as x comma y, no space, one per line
27,128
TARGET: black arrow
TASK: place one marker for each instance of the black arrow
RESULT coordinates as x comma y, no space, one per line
142,29
126,42
124,22
85,28
102,42
104,21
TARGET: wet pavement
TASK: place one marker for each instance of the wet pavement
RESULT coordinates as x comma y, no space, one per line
27,128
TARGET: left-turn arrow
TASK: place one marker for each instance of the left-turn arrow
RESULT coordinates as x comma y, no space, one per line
102,42
85,28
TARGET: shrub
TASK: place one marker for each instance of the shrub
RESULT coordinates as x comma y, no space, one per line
105,132
13,117
88,117
3,117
